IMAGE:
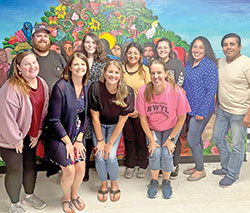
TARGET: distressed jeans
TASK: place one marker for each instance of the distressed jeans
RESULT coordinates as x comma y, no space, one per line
161,159
109,166
231,161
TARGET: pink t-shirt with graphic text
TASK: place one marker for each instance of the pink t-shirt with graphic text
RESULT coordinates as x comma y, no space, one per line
163,109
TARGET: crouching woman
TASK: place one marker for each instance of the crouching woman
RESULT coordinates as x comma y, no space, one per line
162,108
68,120
110,102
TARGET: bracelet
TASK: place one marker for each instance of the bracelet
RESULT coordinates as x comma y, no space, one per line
100,140
78,141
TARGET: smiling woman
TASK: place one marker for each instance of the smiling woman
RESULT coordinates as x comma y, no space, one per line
67,117
201,86
111,101
162,108
29,94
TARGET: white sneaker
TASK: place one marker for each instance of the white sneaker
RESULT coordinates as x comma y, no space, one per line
34,201
141,173
16,208
129,173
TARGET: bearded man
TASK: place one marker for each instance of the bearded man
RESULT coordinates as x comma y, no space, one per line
51,63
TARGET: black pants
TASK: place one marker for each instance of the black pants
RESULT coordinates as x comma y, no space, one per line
177,152
21,169
135,144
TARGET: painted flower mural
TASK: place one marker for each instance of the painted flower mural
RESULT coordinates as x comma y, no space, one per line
118,21
125,20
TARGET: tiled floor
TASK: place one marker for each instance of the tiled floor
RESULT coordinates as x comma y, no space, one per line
196,197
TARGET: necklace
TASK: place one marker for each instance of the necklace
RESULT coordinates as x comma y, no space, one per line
131,73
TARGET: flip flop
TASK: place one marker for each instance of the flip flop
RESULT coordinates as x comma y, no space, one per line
78,203
72,210
103,193
113,198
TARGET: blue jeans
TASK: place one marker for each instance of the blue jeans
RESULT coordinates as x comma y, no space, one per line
231,161
196,128
161,159
109,166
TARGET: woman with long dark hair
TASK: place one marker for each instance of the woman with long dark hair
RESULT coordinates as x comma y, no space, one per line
200,84
67,122
136,75
164,51
93,49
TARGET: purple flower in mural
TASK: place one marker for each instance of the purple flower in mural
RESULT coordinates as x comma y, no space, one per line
206,143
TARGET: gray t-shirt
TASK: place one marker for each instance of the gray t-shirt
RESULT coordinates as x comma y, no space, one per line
51,67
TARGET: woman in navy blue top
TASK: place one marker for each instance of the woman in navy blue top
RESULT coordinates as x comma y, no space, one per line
201,78
67,125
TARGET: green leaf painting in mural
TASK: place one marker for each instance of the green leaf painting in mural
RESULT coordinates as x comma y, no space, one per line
45,19
49,13
53,9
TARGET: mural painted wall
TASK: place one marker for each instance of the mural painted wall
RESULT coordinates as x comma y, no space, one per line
125,20
186,18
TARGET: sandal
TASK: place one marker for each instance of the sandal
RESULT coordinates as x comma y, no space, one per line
103,193
114,193
78,203
72,210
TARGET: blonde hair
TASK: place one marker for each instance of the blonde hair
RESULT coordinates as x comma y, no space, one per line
122,89
149,87
17,79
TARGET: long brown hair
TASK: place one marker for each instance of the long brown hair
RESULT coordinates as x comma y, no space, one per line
99,54
122,89
149,87
67,74
141,70
169,44
17,79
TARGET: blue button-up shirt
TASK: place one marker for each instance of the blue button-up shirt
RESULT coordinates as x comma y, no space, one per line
200,85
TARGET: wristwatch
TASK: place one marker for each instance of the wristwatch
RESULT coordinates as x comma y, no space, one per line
171,138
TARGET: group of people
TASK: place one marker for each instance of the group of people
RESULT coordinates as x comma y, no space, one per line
92,100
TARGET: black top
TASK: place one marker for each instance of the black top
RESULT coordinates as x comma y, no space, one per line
101,100
176,68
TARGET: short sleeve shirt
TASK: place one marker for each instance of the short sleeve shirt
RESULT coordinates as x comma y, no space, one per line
101,100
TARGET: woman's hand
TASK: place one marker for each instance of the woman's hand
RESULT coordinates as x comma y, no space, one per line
151,147
197,117
70,151
80,149
33,142
100,148
19,148
170,145
134,114
107,150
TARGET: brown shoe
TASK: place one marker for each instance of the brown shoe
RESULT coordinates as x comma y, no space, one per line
189,171
202,175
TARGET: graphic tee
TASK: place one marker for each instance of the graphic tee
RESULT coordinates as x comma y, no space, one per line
163,109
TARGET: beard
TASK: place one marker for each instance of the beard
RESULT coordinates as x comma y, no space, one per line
41,48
